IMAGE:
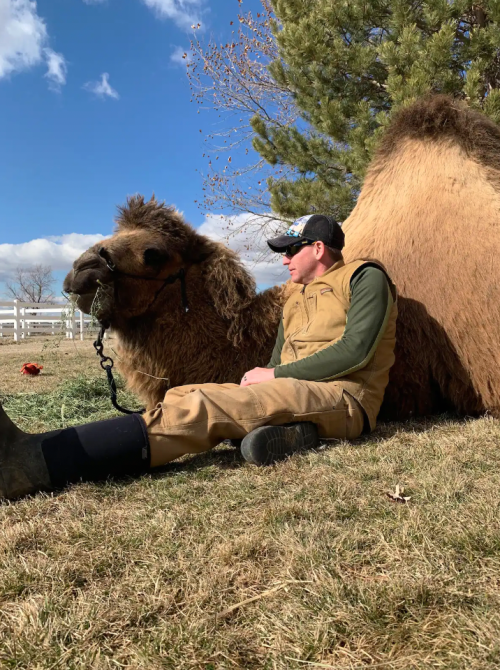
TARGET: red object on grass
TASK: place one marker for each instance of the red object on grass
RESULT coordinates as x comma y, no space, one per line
32,369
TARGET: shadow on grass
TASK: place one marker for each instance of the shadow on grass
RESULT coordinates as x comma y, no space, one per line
231,458
227,457
423,424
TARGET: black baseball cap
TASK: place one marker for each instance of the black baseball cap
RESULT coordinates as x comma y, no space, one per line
310,228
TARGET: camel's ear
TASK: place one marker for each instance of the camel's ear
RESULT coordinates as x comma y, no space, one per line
200,249
229,285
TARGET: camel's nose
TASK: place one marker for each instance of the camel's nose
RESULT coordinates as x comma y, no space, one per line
90,263
68,282
86,271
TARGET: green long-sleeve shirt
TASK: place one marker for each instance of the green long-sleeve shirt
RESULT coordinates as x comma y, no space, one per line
371,300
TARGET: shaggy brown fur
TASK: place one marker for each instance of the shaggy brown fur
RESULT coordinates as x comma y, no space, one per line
429,210
228,330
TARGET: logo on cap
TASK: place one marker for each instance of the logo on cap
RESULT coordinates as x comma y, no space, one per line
297,228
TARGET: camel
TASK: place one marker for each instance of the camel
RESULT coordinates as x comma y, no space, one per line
428,211
228,329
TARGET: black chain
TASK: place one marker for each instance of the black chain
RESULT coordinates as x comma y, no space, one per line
106,361
107,364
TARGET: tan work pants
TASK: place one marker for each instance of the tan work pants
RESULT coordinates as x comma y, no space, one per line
195,418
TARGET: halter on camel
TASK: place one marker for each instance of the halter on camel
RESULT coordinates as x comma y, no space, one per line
107,362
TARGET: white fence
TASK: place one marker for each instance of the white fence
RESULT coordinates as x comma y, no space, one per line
23,319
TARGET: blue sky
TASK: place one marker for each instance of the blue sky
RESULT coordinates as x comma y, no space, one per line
95,105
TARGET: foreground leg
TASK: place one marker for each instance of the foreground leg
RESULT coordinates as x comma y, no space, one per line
22,465
38,462
190,420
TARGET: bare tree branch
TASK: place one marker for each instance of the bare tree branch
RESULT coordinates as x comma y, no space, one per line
31,284
233,79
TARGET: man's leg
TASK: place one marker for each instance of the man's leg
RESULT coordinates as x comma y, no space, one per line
193,419
270,443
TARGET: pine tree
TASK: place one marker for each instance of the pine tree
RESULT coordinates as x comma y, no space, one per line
350,65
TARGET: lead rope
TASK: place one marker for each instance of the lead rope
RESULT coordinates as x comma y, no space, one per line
107,362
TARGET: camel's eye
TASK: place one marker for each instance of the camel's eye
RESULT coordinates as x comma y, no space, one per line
154,257
104,253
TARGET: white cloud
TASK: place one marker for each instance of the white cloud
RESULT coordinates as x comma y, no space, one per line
23,35
23,42
247,234
242,233
181,56
56,69
58,252
102,88
184,13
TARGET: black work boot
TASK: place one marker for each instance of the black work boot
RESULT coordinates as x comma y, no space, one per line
94,451
268,444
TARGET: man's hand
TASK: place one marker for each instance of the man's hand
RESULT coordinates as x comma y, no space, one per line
256,376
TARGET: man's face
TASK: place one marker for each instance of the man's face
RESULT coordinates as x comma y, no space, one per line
305,264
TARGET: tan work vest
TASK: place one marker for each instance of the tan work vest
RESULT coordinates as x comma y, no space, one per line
315,317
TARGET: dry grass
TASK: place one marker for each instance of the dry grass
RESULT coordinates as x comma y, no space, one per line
305,565
62,359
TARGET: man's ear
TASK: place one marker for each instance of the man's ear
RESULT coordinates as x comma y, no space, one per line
319,250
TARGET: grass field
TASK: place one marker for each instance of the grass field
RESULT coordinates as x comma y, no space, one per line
213,563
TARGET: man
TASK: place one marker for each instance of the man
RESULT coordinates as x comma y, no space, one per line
326,379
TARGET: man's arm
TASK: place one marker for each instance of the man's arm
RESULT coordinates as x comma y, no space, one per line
371,303
278,346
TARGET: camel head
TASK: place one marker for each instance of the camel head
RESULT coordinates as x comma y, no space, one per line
124,274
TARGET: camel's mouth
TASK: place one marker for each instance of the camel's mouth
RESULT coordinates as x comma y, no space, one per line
81,282
95,302
84,302
84,280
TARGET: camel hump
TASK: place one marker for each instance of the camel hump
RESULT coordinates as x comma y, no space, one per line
428,210
441,118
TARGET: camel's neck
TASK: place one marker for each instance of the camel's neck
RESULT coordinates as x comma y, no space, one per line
260,319
137,331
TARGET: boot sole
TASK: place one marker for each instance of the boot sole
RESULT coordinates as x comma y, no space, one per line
268,444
